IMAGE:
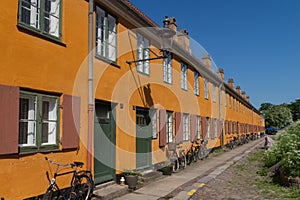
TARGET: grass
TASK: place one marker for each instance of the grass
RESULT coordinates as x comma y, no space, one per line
217,152
270,185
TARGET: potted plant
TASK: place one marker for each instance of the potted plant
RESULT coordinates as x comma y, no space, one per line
167,169
131,178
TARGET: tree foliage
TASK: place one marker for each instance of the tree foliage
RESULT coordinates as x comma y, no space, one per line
295,109
277,116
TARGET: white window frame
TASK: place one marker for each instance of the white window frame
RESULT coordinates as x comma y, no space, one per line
184,78
167,68
38,16
186,131
38,121
208,129
106,35
169,127
206,89
198,127
214,95
153,115
143,53
196,83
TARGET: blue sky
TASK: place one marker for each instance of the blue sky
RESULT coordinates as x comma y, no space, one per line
256,42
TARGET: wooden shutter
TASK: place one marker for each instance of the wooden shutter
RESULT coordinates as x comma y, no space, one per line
162,128
220,128
204,128
193,127
9,119
71,122
179,127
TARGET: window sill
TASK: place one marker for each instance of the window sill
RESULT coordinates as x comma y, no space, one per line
110,62
33,150
143,73
168,83
31,31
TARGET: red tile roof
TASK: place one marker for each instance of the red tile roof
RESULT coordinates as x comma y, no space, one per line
140,13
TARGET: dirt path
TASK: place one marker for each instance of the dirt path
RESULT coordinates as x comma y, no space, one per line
241,181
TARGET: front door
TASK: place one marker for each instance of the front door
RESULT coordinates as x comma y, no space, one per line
104,142
143,139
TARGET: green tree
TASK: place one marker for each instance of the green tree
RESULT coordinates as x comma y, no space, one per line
265,106
295,109
278,116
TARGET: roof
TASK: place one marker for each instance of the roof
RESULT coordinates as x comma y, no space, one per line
139,12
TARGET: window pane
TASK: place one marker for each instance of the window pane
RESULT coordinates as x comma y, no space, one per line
139,52
27,133
146,56
54,18
49,120
154,123
112,38
100,24
30,12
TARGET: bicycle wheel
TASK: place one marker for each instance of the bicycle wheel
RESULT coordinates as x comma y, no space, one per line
183,162
175,165
82,188
189,158
51,195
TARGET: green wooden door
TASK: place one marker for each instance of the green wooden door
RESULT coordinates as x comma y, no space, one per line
143,139
104,142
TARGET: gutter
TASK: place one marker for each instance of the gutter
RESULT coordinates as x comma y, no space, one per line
90,86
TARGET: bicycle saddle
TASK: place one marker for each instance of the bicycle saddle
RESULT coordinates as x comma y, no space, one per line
78,164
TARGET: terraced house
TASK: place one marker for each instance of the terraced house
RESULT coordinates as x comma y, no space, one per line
116,108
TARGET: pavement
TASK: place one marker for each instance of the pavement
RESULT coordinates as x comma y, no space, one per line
181,185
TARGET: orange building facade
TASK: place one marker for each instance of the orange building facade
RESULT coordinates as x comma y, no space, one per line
138,108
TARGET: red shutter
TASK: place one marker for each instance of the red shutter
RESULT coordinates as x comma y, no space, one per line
220,132
203,126
179,127
162,128
71,122
9,119
193,128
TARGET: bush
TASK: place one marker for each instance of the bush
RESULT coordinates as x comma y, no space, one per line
286,150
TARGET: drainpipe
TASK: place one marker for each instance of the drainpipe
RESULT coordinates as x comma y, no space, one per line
90,86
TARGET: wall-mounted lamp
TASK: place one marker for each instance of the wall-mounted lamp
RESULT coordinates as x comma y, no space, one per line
166,35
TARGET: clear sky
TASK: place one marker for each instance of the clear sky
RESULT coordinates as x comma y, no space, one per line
256,42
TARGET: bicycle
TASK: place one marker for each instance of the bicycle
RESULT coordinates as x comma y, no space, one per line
81,187
203,152
192,153
177,159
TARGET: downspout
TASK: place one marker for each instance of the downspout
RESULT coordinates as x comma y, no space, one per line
90,86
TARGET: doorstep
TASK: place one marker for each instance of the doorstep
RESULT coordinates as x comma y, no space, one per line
112,190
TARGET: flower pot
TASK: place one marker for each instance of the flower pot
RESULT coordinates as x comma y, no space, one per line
167,170
131,181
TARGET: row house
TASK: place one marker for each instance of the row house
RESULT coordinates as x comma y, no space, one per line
87,81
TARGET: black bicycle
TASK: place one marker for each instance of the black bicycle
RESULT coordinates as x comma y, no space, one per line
81,187
193,152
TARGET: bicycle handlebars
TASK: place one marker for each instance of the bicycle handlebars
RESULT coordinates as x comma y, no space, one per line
74,164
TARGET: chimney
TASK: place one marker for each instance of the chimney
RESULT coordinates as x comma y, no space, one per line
170,22
243,94
248,98
184,39
221,74
238,89
206,60
231,83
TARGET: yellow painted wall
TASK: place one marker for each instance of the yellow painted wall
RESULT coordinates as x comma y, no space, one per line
35,63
